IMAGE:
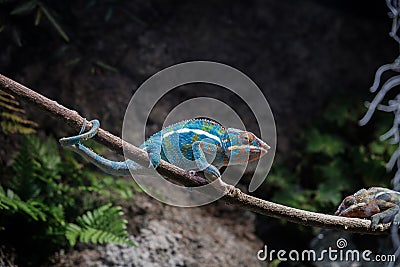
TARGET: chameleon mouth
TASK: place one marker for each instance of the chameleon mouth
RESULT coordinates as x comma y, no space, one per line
255,149
261,148
251,149
360,210
256,152
355,207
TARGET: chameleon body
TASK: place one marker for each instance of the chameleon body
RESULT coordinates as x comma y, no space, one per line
193,145
378,203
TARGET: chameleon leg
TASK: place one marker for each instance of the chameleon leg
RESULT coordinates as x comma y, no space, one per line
396,220
210,171
118,168
153,149
385,217
201,160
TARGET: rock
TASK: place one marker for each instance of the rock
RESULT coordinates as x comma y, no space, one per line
170,236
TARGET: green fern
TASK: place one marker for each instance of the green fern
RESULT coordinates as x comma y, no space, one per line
12,203
52,191
101,225
110,187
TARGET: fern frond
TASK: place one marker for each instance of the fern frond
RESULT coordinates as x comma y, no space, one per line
9,100
24,181
111,188
16,118
13,116
44,187
5,93
11,202
10,107
46,153
13,128
102,225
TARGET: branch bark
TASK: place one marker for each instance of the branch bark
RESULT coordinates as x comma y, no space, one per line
236,198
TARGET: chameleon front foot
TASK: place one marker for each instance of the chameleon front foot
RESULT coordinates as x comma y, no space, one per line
391,215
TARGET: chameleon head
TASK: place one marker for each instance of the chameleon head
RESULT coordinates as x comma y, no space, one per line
244,147
357,206
349,201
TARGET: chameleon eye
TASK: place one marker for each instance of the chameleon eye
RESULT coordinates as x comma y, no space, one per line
349,201
246,140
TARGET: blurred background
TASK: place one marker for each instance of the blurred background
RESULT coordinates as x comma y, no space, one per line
314,62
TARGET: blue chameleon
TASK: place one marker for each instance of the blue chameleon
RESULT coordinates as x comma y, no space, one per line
193,145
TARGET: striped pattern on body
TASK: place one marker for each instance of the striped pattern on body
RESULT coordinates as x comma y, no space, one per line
177,140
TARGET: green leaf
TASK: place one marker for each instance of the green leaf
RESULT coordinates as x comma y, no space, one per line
295,197
18,119
72,233
274,263
105,66
38,17
324,143
333,171
328,194
98,226
53,22
343,110
24,8
11,202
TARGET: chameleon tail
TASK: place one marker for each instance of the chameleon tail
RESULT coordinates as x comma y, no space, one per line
76,139
117,168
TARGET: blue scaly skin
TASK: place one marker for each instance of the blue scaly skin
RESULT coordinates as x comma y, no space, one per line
193,145
378,203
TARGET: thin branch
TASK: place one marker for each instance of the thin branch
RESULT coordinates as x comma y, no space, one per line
236,198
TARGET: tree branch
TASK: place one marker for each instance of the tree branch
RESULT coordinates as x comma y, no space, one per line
236,198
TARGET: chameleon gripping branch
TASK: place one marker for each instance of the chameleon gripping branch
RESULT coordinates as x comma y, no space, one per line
236,198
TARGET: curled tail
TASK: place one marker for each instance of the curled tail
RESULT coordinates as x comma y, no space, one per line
117,168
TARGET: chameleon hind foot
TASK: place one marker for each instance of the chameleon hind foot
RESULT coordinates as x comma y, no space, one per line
76,139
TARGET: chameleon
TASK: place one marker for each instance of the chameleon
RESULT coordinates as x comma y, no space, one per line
193,145
378,203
